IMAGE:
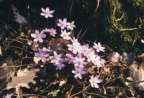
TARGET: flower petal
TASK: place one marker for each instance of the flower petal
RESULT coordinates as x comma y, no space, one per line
33,35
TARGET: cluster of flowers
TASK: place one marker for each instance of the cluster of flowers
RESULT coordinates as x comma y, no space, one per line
79,55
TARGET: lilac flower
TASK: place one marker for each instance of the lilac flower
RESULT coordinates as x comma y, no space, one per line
98,61
94,81
8,95
56,59
46,49
70,26
95,59
75,41
79,61
79,71
98,47
51,31
59,66
41,55
38,36
47,12
62,23
91,56
69,58
46,30
75,47
65,35
86,50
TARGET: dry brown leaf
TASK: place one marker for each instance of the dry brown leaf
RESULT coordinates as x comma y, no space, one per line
134,72
137,75
22,79
5,72
127,58
57,44
113,57
141,76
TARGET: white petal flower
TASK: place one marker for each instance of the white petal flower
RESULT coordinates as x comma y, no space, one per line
94,81
47,12
62,23
65,35
70,26
38,36
98,47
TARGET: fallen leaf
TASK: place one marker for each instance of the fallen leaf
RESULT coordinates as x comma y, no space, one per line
114,57
127,58
137,74
22,79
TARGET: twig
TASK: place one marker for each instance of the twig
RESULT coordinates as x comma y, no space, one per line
114,20
96,95
79,92
108,47
135,83
68,95
111,80
83,33
1,50
98,2
12,40
79,32
119,19
70,10
23,65
124,29
21,49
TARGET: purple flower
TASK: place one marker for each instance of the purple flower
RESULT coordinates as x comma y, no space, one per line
46,49
62,23
46,30
75,41
98,61
52,32
69,58
75,47
70,26
8,95
41,55
86,50
79,71
59,66
79,61
38,36
98,47
94,81
56,59
47,12
91,56
65,35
